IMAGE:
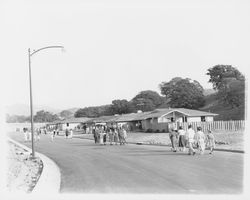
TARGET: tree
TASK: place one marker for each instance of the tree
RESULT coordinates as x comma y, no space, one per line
120,107
147,100
94,111
184,93
233,92
44,116
220,72
230,83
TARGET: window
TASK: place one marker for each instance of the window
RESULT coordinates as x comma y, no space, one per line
184,119
203,118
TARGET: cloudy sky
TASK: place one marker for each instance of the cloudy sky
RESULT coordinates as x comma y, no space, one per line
115,49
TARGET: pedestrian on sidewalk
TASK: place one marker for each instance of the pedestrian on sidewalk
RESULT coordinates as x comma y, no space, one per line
190,140
182,142
210,141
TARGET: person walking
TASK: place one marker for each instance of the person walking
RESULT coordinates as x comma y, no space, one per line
210,141
101,134
116,137
111,135
94,134
123,136
200,138
66,133
173,136
71,133
25,134
182,141
190,140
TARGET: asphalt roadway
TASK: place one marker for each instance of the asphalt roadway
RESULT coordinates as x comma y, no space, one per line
90,168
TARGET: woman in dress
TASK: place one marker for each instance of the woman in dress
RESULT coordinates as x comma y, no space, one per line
116,137
182,139
173,138
200,138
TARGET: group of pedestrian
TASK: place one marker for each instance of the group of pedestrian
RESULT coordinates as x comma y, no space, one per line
181,139
112,135
28,136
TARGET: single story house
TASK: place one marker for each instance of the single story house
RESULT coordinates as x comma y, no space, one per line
162,119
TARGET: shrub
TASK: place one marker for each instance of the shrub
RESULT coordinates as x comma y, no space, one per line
163,131
157,131
149,130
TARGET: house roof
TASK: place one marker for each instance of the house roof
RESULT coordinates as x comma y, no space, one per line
76,120
71,120
136,116
102,119
184,111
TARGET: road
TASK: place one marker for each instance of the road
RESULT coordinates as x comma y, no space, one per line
90,168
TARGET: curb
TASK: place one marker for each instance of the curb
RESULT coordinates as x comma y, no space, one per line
141,143
50,178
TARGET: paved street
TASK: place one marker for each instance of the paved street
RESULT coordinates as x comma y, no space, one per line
89,168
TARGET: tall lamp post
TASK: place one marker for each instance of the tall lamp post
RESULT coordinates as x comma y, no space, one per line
30,83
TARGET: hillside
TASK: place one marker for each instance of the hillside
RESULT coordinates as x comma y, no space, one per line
225,112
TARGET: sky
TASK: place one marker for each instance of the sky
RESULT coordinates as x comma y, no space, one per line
115,49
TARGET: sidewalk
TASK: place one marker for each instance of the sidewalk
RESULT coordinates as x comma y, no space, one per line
162,139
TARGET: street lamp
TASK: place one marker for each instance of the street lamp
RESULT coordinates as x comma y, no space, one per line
31,103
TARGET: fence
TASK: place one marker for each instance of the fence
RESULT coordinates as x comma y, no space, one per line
215,125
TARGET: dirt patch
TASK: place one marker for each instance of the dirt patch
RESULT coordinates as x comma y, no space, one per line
23,171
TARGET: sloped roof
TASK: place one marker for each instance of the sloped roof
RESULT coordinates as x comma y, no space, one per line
102,119
184,111
71,120
76,120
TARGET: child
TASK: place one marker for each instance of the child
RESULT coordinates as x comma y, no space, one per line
210,141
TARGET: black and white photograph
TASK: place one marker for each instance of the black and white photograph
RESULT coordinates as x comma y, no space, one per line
117,99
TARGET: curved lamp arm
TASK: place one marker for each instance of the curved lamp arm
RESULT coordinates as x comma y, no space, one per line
48,47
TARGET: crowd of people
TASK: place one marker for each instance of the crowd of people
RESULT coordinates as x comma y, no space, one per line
181,140
112,135
191,140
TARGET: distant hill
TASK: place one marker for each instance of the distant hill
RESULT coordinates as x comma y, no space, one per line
22,109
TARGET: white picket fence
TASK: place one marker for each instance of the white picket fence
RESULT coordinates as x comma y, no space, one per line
233,125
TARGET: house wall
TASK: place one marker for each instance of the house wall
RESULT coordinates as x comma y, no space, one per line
154,125
165,122
209,119
71,126
193,119
167,118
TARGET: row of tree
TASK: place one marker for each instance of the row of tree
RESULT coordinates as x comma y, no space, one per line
178,92
40,116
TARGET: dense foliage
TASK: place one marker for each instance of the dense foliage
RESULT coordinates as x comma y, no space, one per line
183,93
44,116
230,84
147,100
94,111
